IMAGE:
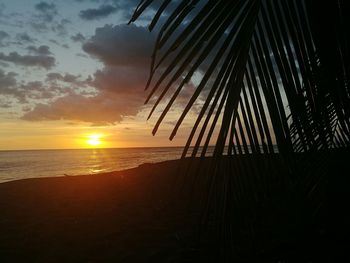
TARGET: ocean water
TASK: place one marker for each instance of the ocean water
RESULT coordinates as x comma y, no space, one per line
16,165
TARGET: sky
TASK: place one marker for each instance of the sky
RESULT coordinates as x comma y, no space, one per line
70,69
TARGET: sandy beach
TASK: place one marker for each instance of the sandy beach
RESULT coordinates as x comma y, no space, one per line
138,215
116,217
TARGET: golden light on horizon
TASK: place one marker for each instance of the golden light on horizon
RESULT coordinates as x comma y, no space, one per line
94,140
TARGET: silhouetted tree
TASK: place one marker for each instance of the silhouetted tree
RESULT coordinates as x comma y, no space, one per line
272,73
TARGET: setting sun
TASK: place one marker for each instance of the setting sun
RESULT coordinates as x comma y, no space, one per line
94,140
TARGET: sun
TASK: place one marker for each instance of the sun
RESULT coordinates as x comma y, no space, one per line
94,140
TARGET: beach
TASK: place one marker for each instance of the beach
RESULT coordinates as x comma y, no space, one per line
115,217
142,215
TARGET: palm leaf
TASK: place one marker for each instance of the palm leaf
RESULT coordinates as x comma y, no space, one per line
273,73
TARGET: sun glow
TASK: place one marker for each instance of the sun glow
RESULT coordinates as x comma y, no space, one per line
94,140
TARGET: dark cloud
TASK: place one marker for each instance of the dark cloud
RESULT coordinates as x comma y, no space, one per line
7,80
119,85
46,62
119,94
42,50
47,10
3,36
33,90
125,52
39,26
98,13
121,45
58,43
26,108
5,104
47,19
10,87
69,78
55,42
24,37
60,28
45,7
78,38
2,7
99,110
37,90
122,81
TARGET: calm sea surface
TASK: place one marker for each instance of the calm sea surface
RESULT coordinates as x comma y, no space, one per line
16,165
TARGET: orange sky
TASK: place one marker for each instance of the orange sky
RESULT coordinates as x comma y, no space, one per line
60,135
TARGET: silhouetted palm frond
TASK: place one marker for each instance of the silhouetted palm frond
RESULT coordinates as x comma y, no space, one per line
272,73
270,77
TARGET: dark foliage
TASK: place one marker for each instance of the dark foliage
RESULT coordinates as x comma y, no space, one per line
272,73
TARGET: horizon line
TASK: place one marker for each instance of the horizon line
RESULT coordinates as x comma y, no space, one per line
102,148
98,148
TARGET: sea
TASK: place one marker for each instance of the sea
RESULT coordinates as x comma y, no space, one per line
15,165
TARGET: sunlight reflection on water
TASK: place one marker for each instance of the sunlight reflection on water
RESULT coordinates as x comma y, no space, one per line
48,163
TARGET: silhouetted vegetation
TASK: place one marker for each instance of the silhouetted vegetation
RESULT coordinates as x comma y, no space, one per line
271,73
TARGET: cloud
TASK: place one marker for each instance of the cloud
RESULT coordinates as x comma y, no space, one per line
47,11
99,110
60,28
125,52
10,87
5,104
121,45
42,61
119,85
55,42
38,90
101,12
3,36
7,80
33,90
54,76
78,38
42,50
2,8
119,94
24,37
45,7
48,19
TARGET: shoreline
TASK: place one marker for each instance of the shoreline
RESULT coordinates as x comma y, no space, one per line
111,217
137,215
